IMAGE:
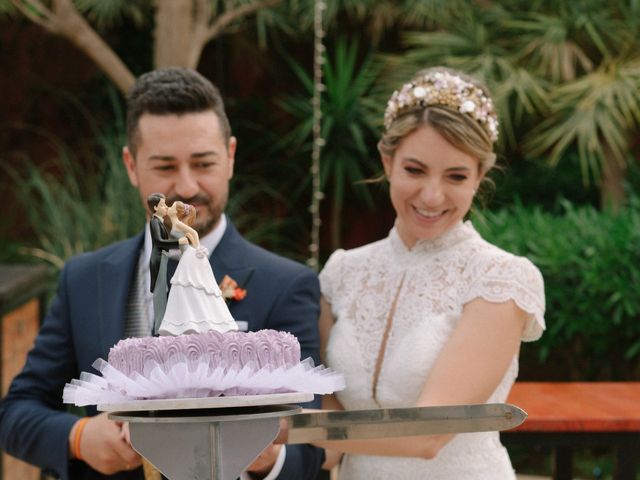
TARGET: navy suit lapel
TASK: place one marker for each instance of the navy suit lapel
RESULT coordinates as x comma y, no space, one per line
232,257
229,257
114,281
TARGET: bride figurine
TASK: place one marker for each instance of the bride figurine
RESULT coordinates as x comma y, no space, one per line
195,302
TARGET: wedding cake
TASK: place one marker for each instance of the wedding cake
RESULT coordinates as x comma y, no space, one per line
265,349
200,352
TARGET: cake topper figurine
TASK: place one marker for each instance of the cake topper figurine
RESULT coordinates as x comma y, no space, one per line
161,244
195,303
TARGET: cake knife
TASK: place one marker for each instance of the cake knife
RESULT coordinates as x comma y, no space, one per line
309,427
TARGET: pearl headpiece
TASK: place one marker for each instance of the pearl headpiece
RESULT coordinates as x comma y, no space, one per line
446,89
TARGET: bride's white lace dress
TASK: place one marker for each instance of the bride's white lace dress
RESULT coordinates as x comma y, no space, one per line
432,281
195,302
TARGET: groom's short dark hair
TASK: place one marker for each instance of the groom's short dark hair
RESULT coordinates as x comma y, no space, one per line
153,200
172,91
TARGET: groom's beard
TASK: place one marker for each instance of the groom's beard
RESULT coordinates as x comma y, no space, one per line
208,210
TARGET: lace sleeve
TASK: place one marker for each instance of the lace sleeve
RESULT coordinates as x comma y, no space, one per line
331,276
506,278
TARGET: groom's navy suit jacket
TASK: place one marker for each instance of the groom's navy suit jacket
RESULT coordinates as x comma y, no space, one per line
87,318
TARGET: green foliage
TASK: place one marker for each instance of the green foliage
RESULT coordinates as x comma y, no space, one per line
348,129
72,210
373,17
107,14
252,206
565,74
596,112
535,182
7,10
591,265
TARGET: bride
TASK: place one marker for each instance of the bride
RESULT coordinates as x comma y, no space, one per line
432,314
195,302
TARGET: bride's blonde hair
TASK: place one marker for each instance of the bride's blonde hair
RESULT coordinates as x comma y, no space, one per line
186,212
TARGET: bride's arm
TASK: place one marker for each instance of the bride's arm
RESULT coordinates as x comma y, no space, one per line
192,235
325,324
189,232
468,370
329,402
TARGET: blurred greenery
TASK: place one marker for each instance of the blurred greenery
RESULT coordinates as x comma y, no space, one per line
566,77
591,265
75,208
348,130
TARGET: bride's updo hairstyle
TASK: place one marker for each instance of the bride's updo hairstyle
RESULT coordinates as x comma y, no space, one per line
457,106
186,212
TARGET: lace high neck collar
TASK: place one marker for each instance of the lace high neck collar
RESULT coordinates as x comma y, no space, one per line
456,234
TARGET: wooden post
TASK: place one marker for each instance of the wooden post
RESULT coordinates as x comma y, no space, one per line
22,289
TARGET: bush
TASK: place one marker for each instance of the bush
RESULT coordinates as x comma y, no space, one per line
73,210
590,261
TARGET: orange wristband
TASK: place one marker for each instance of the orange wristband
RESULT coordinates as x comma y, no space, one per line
75,447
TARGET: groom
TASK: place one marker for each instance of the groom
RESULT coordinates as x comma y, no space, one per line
158,260
179,143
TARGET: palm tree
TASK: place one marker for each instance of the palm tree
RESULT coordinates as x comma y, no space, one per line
182,28
565,74
596,106
348,128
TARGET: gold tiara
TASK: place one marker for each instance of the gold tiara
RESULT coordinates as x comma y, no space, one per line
443,88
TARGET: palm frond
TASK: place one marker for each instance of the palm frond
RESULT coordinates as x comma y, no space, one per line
547,46
113,12
598,113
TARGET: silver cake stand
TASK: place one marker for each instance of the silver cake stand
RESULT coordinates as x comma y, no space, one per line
205,438
217,438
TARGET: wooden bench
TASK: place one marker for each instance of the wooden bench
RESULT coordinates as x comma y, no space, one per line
564,415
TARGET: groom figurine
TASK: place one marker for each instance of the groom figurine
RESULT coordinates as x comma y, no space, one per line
161,244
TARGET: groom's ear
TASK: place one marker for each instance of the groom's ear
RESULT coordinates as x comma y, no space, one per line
130,165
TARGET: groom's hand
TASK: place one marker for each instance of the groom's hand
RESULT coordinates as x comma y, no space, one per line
103,447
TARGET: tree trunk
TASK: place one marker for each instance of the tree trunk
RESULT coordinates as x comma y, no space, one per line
183,28
614,172
63,19
173,33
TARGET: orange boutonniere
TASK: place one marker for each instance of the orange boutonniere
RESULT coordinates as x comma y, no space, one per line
230,289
